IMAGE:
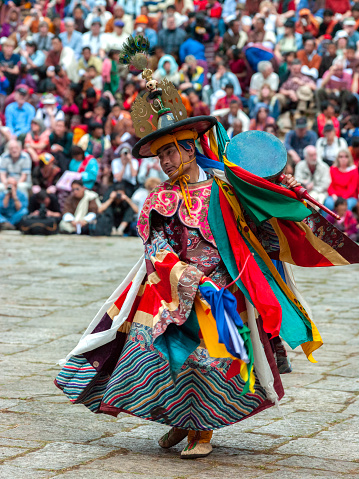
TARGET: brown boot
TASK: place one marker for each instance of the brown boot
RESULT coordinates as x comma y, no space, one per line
172,437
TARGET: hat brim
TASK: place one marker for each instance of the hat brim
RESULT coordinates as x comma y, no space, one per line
201,124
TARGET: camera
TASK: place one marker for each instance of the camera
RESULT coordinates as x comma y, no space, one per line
9,189
42,211
126,151
119,196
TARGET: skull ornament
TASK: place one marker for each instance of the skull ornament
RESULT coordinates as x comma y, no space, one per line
151,85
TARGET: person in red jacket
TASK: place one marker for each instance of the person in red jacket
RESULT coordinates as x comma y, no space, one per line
325,117
345,180
338,6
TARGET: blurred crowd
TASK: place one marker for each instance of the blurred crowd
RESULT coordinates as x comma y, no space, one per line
290,68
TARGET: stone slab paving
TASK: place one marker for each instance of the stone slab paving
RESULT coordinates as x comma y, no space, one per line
50,290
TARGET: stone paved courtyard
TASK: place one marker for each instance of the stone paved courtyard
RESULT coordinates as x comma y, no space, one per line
50,290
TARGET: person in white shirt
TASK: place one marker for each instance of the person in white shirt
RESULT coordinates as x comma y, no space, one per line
151,168
115,40
99,12
329,146
264,75
94,39
125,168
313,174
140,195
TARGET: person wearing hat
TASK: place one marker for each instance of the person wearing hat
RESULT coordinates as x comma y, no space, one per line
142,28
307,23
94,39
289,41
349,26
49,113
296,140
19,114
188,381
116,39
99,12
45,174
329,145
71,37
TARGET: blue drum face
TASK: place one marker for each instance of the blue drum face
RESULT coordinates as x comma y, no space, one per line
258,152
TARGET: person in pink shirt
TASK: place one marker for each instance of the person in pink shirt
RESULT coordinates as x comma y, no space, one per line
345,179
335,81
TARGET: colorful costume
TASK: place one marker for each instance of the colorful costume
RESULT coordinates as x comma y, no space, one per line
185,339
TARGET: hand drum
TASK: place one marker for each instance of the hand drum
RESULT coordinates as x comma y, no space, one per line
259,153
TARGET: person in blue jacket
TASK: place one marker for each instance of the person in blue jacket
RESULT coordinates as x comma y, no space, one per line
85,164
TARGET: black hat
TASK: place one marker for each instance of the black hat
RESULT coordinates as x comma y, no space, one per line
301,123
289,23
328,127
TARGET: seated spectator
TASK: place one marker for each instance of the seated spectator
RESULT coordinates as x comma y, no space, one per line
328,58
120,207
222,77
94,143
49,113
198,106
171,37
80,209
265,75
60,142
88,59
296,82
191,75
310,58
344,184
71,38
78,16
37,140
46,174
13,206
354,150
232,35
129,95
289,41
11,23
100,14
235,111
167,68
258,33
267,96
307,23
94,39
261,118
335,81
46,203
191,47
64,56
150,168
125,169
329,25
347,222
329,145
284,68
43,38
9,61
117,38
85,164
32,58
326,117
349,26
238,66
140,195
296,140
225,101
142,28
20,113
235,129
119,121
120,15
15,165
313,174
